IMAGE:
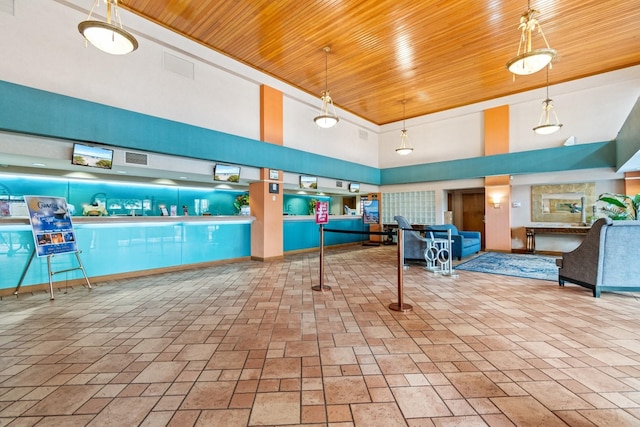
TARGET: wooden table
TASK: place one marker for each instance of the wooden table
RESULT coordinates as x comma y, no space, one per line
531,232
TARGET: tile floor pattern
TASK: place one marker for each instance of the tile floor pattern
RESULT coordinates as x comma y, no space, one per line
250,343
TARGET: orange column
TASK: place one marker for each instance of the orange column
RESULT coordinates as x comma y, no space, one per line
497,188
267,240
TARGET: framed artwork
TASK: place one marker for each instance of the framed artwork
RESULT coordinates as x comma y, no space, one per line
273,174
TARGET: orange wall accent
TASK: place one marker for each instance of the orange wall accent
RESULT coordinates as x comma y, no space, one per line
271,116
267,230
497,220
496,130
632,183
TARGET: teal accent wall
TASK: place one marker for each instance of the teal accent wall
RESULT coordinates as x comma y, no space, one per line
628,139
33,111
585,156
38,112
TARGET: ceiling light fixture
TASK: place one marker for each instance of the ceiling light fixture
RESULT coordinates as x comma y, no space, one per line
107,36
328,117
545,127
405,145
529,61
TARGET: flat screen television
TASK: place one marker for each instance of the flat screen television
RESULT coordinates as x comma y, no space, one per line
227,173
308,182
354,187
95,157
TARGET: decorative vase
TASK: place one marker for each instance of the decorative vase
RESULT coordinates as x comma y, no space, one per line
245,210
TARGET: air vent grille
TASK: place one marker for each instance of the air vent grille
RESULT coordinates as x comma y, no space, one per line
135,158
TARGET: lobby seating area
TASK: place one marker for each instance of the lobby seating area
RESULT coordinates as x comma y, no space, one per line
606,260
249,343
463,243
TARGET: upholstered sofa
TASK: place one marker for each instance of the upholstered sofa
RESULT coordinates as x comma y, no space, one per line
463,243
607,259
414,243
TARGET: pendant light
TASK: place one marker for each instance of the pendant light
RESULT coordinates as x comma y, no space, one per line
405,145
529,61
545,126
328,117
107,36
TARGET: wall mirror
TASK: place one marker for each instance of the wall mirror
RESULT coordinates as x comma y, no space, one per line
562,202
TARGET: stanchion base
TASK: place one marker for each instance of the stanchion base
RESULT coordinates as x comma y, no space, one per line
396,307
321,288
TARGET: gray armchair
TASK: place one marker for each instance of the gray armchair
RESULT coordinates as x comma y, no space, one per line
606,260
414,243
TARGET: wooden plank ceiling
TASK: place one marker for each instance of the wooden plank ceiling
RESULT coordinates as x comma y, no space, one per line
436,54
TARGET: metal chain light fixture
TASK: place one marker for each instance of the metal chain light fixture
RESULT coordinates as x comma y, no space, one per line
545,125
405,145
529,61
107,36
328,117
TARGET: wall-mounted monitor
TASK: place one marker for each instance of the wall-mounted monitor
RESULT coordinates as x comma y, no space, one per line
227,173
95,157
308,182
354,187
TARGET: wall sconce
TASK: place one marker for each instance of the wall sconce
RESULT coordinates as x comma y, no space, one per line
495,201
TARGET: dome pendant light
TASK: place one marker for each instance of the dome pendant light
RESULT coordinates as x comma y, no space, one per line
328,117
405,145
107,36
545,126
529,61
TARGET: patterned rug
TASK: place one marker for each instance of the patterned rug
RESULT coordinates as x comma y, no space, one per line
518,265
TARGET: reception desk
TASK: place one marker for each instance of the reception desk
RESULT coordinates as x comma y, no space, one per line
532,230
123,245
302,233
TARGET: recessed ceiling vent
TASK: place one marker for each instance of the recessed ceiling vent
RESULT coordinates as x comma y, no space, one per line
135,158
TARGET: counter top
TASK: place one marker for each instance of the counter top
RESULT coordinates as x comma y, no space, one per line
114,219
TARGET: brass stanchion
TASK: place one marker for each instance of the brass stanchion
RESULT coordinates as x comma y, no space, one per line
400,306
321,286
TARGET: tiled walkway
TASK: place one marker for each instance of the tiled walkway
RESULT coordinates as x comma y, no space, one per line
251,344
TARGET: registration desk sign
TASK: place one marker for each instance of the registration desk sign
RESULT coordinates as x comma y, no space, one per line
322,213
51,225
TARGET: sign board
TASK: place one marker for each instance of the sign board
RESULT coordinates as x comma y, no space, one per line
322,212
370,214
51,225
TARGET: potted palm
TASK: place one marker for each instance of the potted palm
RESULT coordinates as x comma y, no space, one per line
241,203
312,206
620,206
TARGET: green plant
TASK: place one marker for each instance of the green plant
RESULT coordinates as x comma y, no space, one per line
240,201
620,206
312,205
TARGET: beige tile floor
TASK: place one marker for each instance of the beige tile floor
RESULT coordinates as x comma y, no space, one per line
250,343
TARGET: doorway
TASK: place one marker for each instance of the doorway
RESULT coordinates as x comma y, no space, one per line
468,210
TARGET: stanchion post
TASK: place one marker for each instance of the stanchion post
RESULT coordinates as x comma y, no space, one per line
321,286
400,306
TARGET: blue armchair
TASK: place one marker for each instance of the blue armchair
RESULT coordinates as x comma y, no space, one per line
463,243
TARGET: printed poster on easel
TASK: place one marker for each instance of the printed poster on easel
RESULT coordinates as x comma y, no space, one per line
51,225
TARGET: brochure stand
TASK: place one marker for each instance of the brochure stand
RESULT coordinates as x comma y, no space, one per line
53,234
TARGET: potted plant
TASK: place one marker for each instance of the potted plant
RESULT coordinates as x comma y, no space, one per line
312,206
241,203
620,206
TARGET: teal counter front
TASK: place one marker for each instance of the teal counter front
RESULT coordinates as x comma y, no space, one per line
112,246
302,232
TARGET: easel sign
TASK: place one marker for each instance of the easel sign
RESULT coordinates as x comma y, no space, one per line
322,213
51,225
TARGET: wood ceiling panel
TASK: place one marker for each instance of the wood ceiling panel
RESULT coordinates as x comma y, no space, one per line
438,54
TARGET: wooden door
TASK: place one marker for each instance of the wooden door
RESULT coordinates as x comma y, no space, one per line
473,213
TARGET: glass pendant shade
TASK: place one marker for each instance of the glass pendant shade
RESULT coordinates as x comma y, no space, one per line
529,61
545,126
106,36
328,117
405,146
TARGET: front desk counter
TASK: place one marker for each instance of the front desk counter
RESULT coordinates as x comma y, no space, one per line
301,231
117,245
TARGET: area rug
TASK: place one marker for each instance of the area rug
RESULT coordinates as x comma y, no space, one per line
518,265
